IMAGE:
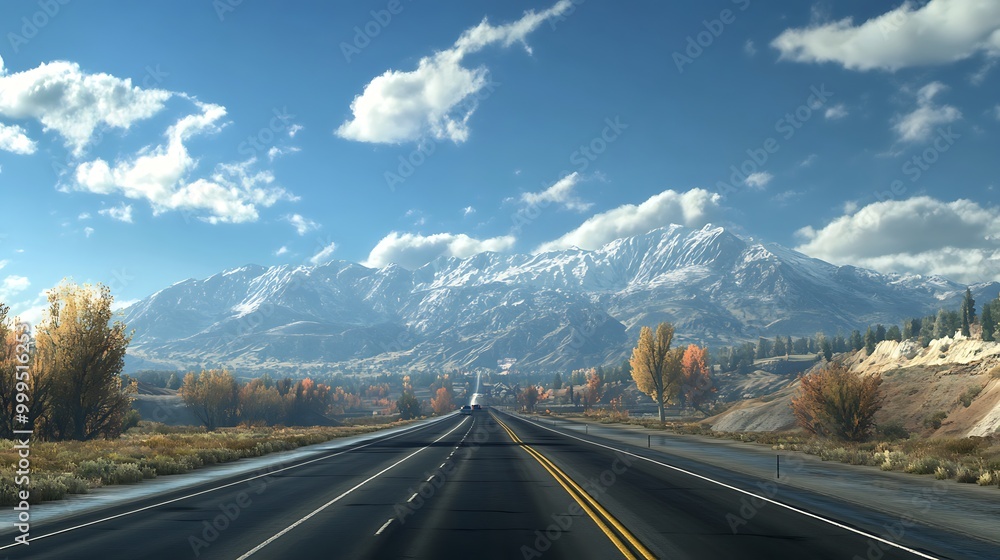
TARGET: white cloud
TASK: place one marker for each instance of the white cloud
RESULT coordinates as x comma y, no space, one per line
281,251
914,34
959,240
437,98
410,250
810,159
561,193
996,112
324,255
919,124
83,216
836,112
468,210
693,208
294,129
301,224
11,286
3,263
88,231
161,176
275,152
758,180
14,139
122,213
749,48
75,104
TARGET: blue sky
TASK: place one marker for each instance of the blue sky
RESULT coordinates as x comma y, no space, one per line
145,143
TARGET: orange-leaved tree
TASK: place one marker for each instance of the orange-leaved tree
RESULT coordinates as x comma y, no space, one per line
697,384
441,403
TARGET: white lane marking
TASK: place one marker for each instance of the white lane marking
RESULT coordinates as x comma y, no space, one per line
384,526
443,464
429,478
413,497
156,505
742,491
316,511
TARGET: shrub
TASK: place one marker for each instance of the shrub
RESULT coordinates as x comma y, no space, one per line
988,478
970,395
944,472
965,475
838,403
923,465
934,420
893,431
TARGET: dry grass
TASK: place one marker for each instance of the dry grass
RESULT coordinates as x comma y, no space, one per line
148,451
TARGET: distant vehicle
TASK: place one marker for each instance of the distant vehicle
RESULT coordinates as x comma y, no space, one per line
466,410
476,407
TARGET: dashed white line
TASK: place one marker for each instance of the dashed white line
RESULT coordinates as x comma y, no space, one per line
316,511
413,497
384,526
231,484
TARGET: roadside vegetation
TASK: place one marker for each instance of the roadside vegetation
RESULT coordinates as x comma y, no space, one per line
150,450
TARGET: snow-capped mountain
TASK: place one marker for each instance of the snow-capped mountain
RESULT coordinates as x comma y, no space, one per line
552,310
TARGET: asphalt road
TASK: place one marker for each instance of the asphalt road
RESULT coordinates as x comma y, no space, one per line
482,486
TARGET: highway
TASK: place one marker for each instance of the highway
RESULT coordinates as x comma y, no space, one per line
489,485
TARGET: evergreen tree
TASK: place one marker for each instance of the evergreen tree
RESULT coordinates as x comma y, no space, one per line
989,327
965,325
941,329
879,333
839,344
870,341
826,347
855,341
968,309
557,382
763,348
893,334
779,346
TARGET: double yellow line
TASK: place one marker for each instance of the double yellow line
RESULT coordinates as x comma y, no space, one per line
624,540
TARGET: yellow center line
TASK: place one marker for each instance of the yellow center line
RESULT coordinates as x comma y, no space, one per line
601,516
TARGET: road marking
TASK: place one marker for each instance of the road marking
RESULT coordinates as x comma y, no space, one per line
413,497
384,526
429,478
602,517
742,491
202,492
316,511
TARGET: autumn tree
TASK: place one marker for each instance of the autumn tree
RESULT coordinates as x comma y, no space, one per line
835,402
213,397
79,355
592,391
9,353
260,405
306,401
655,367
441,403
697,384
528,398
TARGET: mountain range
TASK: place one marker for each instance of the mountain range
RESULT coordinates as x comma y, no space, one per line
554,310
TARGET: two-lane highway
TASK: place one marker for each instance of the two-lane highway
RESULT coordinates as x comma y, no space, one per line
488,485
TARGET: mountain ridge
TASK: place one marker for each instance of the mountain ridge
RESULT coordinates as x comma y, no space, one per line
552,310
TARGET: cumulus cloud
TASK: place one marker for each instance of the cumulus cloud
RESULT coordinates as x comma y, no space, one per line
749,48
88,231
73,103
922,235
161,176
914,34
561,193
13,285
324,255
836,112
439,97
122,213
468,210
411,250
14,139
758,180
693,208
281,251
301,224
919,124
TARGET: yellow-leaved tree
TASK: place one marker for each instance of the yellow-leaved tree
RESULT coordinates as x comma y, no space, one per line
656,368
79,355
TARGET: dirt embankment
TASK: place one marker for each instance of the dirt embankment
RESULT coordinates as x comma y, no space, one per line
950,388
